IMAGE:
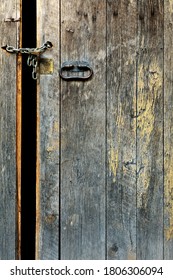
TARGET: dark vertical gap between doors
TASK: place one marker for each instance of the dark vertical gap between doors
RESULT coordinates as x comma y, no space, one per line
28,169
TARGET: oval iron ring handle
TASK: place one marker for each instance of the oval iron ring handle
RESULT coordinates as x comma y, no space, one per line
79,67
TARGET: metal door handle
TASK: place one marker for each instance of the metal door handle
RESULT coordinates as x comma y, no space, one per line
76,70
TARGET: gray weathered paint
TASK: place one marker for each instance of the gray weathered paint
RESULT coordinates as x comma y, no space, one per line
47,238
83,132
121,129
104,147
150,130
110,137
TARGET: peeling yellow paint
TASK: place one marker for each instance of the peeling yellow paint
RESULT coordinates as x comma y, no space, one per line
117,140
169,194
53,137
171,6
147,96
120,117
149,90
54,145
140,78
56,126
50,149
169,230
114,151
113,162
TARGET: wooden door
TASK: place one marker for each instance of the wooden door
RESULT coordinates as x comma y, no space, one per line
104,146
10,100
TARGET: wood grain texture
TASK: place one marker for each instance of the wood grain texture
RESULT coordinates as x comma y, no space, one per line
47,227
168,130
150,130
121,129
104,146
8,224
83,37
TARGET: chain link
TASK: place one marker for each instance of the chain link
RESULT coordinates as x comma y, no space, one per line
33,61
29,60
34,71
32,53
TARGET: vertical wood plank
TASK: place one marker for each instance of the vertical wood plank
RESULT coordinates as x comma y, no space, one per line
8,224
47,205
121,129
83,37
168,130
150,130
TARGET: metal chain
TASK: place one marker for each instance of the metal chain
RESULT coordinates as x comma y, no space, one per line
32,53
33,61
29,60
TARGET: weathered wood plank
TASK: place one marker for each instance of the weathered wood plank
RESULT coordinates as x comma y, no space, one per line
121,129
168,130
47,227
83,37
8,224
150,130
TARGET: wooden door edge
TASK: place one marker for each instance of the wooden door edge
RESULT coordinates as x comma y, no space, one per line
19,133
37,234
